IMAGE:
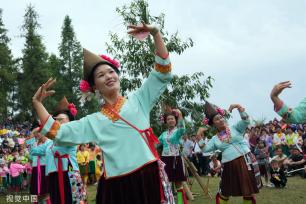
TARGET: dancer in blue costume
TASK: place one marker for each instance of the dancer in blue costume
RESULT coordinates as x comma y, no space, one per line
133,172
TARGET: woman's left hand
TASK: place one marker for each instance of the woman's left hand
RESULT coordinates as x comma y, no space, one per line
233,106
143,29
180,115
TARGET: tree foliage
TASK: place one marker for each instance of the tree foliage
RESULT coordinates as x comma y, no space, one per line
7,73
34,68
137,59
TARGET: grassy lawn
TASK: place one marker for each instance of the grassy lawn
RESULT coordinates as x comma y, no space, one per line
295,193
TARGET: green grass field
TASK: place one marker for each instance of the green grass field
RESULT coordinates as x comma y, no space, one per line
294,193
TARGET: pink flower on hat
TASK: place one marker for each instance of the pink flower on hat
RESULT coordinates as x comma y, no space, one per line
162,118
110,60
84,86
205,121
72,109
220,111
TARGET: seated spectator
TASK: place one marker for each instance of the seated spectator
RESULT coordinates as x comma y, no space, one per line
295,161
279,156
278,178
279,137
215,166
300,137
291,136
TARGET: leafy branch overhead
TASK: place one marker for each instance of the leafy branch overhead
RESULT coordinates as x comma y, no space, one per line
137,59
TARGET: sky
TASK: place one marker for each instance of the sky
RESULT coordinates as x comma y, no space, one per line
246,46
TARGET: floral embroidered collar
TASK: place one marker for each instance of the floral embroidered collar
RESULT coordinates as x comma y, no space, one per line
108,110
225,136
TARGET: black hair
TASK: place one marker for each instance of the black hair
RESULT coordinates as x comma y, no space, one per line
66,112
34,125
91,78
172,114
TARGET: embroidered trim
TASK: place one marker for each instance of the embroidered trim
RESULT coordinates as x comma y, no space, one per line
225,136
163,68
106,109
53,130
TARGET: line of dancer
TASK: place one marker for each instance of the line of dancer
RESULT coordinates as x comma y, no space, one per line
133,172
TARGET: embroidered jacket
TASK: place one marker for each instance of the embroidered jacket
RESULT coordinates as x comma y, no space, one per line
236,147
124,150
171,140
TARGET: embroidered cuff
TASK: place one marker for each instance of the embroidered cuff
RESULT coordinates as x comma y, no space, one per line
49,129
162,65
162,61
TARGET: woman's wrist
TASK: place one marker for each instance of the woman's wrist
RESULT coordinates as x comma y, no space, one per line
154,31
35,101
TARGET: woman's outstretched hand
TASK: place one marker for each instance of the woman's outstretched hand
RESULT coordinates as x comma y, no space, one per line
142,31
43,91
233,106
278,88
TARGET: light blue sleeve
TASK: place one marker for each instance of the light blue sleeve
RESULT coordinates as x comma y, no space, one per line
73,133
153,86
40,150
161,139
242,124
31,142
179,132
210,146
296,115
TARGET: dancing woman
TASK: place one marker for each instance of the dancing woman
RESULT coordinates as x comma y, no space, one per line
237,177
170,140
65,187
295,115
132,171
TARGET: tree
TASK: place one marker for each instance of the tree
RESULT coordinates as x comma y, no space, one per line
7,73
34,68
71,57
137,58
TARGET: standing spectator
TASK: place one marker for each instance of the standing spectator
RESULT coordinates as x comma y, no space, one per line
15,170
278,178
203,157
83,160
92,163
187,147
196,153
98,167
